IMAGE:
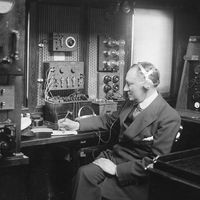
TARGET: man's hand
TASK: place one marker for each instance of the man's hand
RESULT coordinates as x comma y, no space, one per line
68,124
106,165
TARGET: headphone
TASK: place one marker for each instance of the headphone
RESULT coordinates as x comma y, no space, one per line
147,74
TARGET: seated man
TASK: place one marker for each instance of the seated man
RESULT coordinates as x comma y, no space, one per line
148,126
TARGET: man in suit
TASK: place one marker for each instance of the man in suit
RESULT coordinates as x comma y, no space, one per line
148,126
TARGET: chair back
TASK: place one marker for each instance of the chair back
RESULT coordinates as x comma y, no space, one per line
177,139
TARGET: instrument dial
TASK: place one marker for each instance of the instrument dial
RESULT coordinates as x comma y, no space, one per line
197,69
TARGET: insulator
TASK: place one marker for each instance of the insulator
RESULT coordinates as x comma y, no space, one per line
107,88
115,79
107,79
115,87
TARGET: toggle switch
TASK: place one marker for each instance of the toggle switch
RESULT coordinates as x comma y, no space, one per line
2,104
2,91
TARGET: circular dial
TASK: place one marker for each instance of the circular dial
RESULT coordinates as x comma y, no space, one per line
197,69
70,42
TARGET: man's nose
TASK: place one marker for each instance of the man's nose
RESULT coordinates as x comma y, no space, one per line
126,88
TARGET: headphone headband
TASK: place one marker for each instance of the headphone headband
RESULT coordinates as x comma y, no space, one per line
145,73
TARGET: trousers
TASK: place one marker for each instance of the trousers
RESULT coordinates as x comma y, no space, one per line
92,183
87,183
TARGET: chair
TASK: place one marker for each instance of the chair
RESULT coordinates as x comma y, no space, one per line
177,139
174,148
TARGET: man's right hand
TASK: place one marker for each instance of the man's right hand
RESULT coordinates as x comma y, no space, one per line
68,124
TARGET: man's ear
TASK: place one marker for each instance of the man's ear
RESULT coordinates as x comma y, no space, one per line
147,85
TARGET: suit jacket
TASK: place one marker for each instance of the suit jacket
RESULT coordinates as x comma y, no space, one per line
150,134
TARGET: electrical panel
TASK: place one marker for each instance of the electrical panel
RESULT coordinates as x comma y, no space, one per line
55,110
62,75
188,101
63,42
110,54
110,85
7,97
110,68
194,86
10,52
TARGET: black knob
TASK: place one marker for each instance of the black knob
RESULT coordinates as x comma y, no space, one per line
106,79
115,87
115,79
107,88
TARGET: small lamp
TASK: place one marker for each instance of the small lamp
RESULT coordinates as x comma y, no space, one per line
6,6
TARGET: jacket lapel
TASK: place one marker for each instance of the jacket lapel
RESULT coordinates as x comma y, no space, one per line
145,118
130,106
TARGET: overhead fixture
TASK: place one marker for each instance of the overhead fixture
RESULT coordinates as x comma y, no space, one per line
6,6
125,6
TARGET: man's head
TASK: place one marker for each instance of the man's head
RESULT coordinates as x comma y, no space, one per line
141,80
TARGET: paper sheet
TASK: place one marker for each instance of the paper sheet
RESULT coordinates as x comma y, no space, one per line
62,133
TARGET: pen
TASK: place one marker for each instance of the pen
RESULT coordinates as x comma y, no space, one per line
68,112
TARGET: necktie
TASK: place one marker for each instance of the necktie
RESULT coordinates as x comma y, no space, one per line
137,110
133,113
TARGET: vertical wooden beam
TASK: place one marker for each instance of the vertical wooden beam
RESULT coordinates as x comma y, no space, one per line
84,38
34,55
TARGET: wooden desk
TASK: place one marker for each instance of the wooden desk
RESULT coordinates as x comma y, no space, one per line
190,137
189,116
54,161
176,176
83,138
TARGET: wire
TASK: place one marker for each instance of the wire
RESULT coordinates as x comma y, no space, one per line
110,129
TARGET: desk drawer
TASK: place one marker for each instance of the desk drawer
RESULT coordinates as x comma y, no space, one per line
87,142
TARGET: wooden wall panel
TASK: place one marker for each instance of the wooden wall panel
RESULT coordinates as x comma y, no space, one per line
13,20
84,20
186,25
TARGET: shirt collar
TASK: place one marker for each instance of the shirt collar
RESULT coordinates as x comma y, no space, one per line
144,104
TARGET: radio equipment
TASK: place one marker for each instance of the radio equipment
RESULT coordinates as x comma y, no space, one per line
57,110
7,139
110,86
110,54
110,68
63,42
188,101
62,75
194,86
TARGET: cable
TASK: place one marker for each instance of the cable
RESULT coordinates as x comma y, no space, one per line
110,129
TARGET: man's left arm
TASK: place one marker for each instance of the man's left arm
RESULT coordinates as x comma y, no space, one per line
162,143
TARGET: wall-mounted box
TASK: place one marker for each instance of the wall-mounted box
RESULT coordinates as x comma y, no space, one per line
63,75
104,107
7,97
188,100
63,42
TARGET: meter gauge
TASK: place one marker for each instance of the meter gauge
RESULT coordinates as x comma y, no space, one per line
197,69
70,42
197,88
196,96
197,105
194,82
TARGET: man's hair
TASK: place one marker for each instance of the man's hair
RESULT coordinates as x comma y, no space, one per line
149,72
